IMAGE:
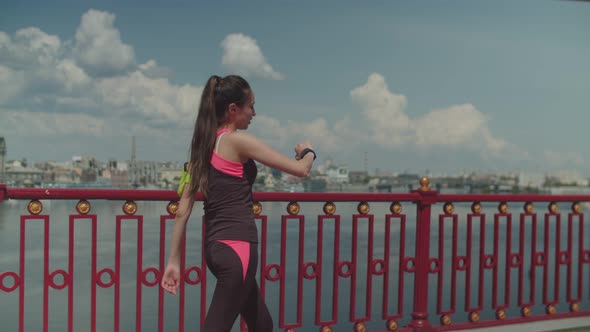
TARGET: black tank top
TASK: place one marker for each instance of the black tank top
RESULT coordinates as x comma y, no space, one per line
228,206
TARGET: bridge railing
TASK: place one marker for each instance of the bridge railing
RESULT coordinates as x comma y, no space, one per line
336,261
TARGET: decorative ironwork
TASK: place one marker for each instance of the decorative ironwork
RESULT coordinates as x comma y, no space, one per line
396,208
293,208
172,208
83,207
576,207
15,281
363,208
129,208
360,327
476,208
503,208
392,325
424,183
495,252
529,207
553,208
257,208
35,207
574,307
449,208
329,208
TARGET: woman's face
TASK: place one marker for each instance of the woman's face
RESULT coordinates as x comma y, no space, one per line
243,115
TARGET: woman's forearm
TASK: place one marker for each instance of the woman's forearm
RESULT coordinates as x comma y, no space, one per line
185,207
178,232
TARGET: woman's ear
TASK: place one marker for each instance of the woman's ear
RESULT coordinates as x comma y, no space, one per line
232,107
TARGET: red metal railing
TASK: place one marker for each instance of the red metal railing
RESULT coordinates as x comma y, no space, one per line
430,267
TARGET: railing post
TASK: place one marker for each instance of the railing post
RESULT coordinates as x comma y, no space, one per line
2,192
420,321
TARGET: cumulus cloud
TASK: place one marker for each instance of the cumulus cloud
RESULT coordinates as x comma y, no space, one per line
12,83
325,136
457,126
384,111
98,47
384,122
30,46
155,100
242,55
70,75
151,69
93,76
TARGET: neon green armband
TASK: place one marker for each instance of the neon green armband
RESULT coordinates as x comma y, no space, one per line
185,178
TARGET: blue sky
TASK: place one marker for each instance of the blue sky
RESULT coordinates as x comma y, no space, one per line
443,86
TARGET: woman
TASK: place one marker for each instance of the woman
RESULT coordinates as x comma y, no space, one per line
223,169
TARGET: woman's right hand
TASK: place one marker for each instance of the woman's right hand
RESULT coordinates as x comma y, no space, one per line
171,278
300,147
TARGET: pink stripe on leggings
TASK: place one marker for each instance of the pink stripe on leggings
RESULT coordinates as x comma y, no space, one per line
242,249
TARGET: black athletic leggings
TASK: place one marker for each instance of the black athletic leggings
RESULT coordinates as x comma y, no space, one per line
235,293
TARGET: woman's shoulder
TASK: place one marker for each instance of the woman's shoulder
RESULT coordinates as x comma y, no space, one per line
241,137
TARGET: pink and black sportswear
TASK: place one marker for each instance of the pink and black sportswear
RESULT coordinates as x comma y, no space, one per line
231,246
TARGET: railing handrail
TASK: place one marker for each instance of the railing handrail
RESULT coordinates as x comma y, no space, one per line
513,198
158,195
161,195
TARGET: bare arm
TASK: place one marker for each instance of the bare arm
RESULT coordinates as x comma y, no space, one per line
171,278
250,147
185,207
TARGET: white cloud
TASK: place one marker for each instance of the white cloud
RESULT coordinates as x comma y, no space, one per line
458,126
45,76
155,100
38,124
153,70
242,55
98,47
384,111
385,123
30,46
70,75
323,135
12,84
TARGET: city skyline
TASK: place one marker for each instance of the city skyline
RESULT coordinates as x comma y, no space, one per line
440,86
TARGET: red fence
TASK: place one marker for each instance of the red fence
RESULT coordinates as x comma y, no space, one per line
467,266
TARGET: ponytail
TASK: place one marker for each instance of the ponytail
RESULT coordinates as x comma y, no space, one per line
203,138
217,95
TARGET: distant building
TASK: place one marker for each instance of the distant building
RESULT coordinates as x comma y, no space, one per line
338,174
358,176
66,175
143,173
20,175
119,178
169,177
531,180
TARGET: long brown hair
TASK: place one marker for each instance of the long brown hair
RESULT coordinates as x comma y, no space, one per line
217,95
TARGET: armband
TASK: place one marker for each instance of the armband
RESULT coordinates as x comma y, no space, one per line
185,178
